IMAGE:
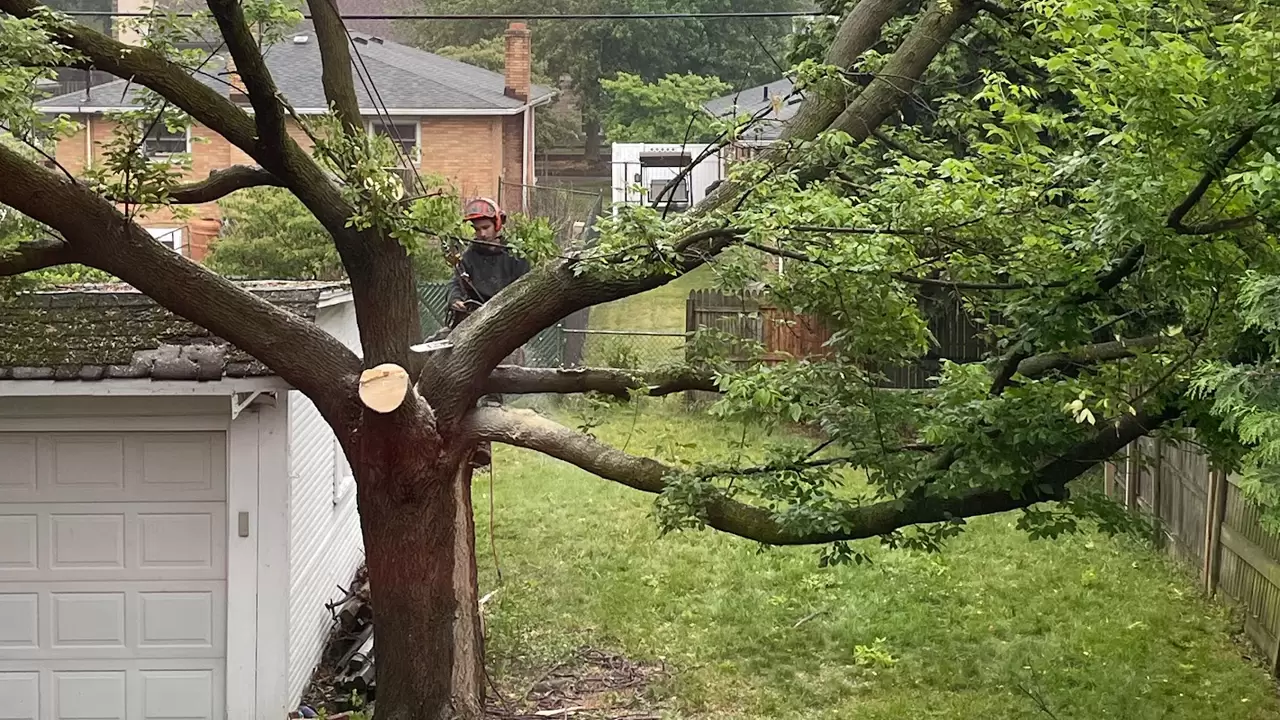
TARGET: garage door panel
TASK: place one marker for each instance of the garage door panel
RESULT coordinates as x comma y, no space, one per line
18,542
178,694
113,467
20,621
180,540
80,620
79,541
18,458
40,621
135,690
120,541
20,695
89,695
87,462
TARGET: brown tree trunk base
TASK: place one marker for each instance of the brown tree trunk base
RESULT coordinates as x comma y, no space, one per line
420,552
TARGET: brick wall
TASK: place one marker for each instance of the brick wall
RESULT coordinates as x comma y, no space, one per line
471,151
512,150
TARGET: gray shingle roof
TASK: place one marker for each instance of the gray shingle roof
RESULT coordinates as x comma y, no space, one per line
406,79
752,100
97,332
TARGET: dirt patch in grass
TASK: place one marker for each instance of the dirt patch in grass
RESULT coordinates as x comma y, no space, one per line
593,684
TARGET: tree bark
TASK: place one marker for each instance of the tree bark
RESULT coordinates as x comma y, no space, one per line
591,139
468,647
415,514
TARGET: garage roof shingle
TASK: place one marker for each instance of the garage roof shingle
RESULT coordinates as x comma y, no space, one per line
97,332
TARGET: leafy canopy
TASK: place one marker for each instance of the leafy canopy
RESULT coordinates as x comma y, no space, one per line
668,110
1034,179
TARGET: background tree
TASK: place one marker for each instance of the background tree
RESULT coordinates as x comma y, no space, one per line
668,110
1093,179
269,234
742,52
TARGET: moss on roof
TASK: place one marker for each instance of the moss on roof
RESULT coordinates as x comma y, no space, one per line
94,332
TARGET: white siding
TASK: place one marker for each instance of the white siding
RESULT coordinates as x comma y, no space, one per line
325,546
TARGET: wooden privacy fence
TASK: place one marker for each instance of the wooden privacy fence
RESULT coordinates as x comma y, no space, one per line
1203,520
786,335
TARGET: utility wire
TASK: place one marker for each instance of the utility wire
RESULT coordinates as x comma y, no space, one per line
509,16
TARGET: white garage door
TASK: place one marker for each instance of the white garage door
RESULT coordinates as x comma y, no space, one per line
112,575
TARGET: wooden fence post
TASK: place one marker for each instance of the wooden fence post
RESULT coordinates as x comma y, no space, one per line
1157,470
1133,453
1215,514
1109,479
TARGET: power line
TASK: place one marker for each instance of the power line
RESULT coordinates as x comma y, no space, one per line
507,16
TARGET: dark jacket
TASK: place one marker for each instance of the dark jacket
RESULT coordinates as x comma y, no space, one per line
488,270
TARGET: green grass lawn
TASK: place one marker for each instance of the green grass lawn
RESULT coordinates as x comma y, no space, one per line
1093,627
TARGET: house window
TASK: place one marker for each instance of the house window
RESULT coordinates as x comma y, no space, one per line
161,142
169,237
404,132
344,480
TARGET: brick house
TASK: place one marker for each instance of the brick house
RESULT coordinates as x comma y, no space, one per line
469,124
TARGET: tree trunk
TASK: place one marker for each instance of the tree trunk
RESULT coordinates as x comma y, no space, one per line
591,129
415,513
468,645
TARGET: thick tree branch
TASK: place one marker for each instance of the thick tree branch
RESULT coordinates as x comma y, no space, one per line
35,255
218,185
1041,365
268,112
451,381
515,380
100,236
524,428
280,155
858,33
335,62
897,79
381,275
221,183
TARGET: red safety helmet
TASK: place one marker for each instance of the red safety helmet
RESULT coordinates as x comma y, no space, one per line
485,208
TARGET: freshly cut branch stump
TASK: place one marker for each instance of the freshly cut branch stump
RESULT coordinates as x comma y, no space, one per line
383,388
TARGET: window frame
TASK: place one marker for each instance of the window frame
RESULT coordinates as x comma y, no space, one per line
160,126
179,235
416,156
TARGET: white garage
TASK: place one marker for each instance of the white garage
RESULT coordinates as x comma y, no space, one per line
167,545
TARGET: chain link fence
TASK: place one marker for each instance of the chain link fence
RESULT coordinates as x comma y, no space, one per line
630,349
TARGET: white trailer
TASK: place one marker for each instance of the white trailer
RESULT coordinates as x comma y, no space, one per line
642,170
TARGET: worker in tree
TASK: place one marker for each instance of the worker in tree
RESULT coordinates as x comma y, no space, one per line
486,267
482,272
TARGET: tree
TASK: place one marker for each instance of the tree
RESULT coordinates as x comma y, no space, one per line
1094,179
269,234
741,52
664,111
